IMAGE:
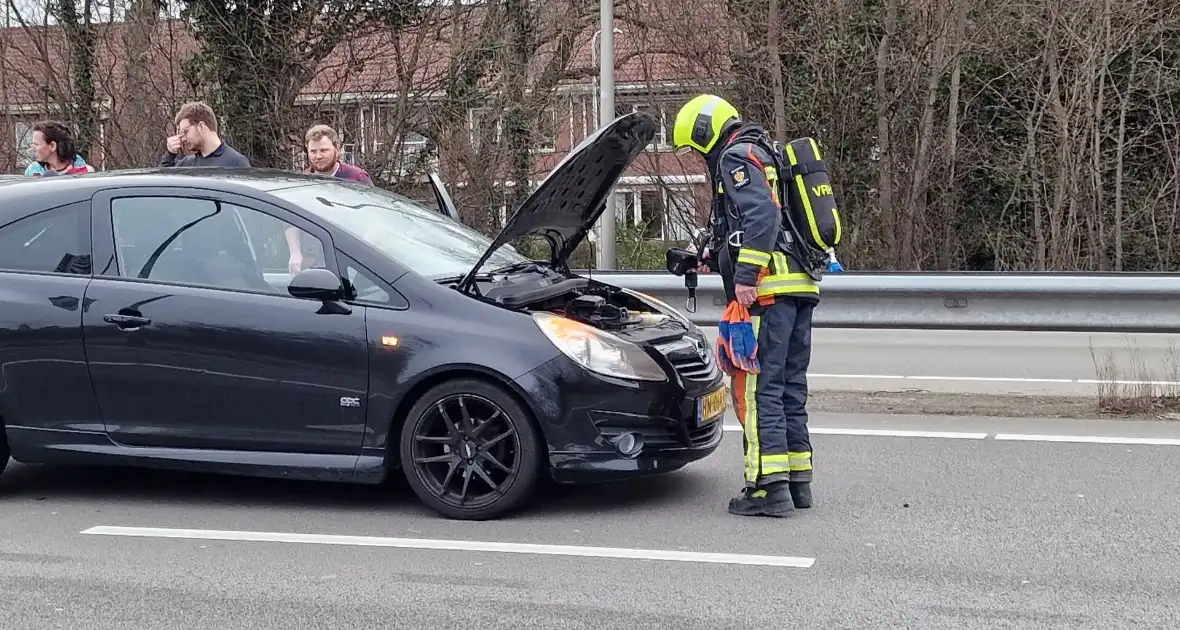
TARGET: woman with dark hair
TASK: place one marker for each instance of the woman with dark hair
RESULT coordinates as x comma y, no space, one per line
54,152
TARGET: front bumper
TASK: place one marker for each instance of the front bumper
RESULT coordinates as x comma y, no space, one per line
662,452
589,421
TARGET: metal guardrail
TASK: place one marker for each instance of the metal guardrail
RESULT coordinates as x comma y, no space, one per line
1114,302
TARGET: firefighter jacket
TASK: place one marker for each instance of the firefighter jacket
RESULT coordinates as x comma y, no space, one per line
752,245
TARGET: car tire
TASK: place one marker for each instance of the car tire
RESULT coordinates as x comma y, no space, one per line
477,470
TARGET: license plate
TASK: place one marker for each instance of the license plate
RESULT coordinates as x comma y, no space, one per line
711,406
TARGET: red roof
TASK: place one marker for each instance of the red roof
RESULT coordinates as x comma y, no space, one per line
35,69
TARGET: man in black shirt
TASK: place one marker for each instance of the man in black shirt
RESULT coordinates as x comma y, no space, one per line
197,137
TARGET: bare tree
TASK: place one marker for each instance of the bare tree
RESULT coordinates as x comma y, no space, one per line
983,134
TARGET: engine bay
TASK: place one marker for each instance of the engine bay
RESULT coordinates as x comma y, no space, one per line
611,309
596,304
595,310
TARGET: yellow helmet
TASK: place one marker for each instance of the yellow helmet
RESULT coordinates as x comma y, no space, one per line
700,122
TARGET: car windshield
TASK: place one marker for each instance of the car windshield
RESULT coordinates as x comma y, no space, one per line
417,237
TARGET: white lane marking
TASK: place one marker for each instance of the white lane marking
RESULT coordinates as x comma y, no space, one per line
963,435
990,379
997,379
951,435
1090,381
1089,439
874,376
456,545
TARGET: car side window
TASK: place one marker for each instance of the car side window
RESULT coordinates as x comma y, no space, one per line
51,241
369,290
199,242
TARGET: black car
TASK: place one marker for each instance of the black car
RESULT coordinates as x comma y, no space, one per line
141,325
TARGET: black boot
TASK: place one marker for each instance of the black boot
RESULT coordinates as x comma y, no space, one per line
771,500
801,494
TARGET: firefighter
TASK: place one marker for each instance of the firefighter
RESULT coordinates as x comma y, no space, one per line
754,254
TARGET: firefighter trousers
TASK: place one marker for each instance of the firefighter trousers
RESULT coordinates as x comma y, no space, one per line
772,405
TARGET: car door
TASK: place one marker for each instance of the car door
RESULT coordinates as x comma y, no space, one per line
45,265
190,346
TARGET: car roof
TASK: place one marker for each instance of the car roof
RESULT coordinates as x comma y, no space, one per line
20,195
265,179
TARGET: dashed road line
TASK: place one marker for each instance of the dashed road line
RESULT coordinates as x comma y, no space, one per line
996,379
456,545
949,435
1088,439
1005,437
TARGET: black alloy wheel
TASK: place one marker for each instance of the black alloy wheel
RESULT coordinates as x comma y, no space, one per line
470,451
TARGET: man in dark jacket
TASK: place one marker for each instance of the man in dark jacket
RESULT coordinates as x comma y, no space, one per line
197,138
756,259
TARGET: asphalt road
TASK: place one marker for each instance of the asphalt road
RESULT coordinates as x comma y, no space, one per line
971,522
989,362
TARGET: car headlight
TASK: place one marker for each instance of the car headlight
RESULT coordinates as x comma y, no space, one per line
597,350
664,308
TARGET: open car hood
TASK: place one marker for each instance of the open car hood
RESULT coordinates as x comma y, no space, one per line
569,201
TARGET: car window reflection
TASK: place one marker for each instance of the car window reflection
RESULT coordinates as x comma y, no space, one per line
197,242
416,237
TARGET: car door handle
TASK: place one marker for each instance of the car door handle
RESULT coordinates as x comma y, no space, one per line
126,321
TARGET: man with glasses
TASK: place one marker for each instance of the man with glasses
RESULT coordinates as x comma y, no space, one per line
197,138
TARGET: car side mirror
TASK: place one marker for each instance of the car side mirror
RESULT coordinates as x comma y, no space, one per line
316,284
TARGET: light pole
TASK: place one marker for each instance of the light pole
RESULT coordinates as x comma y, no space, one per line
606,113
594,63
